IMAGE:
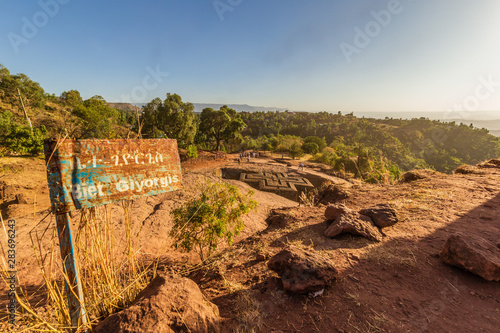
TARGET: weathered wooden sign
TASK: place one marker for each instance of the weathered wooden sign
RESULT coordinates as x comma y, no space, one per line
87,173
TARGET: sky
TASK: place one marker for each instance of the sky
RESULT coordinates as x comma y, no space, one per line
317,55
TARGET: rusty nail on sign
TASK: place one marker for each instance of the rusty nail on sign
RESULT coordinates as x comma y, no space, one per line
88,173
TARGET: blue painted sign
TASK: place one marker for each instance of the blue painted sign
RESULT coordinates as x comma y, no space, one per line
87,173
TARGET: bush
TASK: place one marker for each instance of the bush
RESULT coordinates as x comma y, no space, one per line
18,139
192,151
22,141
310,148
296,151
201,224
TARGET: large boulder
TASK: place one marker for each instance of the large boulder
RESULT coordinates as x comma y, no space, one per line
355,224
332,193
332,212
169,303
302,271
474,254
382,215
280,217
417,174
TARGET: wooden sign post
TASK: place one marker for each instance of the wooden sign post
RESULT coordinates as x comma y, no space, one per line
88,173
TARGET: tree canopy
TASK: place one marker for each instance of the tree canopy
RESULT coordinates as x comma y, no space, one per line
221,125
171,118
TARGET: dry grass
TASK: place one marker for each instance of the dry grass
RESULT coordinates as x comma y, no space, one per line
385,255
111,274
248,311
468,169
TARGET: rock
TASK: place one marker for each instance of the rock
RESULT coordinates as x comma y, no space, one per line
260,257
412,175
468,169
167,304
355,224
280,217
20,200
473,253
302,271
331,194
332,212
382,215
493,163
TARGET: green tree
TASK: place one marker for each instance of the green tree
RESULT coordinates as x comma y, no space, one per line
201,224
19,139
96,119
171,118
310,148
221,125
296,151
31,91
71,98
321,143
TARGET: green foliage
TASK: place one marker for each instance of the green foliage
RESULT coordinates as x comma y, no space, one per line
201,224
171,118
220,126
192,151
71,98
31,91
296,151
96,119
18,139
406,144
308,141
310,148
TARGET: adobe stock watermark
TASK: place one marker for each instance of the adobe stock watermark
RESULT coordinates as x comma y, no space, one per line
150,82
223,6
485,88
373,28
30,28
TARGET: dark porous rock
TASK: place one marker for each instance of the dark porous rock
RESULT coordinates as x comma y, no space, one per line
302,271
473,253
331,194
493,163
332,212
169,303
413,175
280,217
355,224
468,169
382,215
20,199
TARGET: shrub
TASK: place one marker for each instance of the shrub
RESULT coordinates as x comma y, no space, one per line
201,224
310,148
192,151
19,139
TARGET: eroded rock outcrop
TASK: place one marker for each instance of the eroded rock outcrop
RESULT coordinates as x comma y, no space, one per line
169,303
473,253
302,271
332,212
355,224
382,215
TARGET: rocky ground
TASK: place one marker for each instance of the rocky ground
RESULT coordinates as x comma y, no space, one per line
395,282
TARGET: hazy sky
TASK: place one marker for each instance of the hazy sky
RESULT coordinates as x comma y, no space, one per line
425,55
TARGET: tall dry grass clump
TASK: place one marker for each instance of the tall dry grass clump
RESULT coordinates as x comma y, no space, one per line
111,271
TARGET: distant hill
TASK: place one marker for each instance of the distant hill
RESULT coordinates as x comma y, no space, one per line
123,106
198,107
480,119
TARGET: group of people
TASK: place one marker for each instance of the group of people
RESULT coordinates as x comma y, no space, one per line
247,155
